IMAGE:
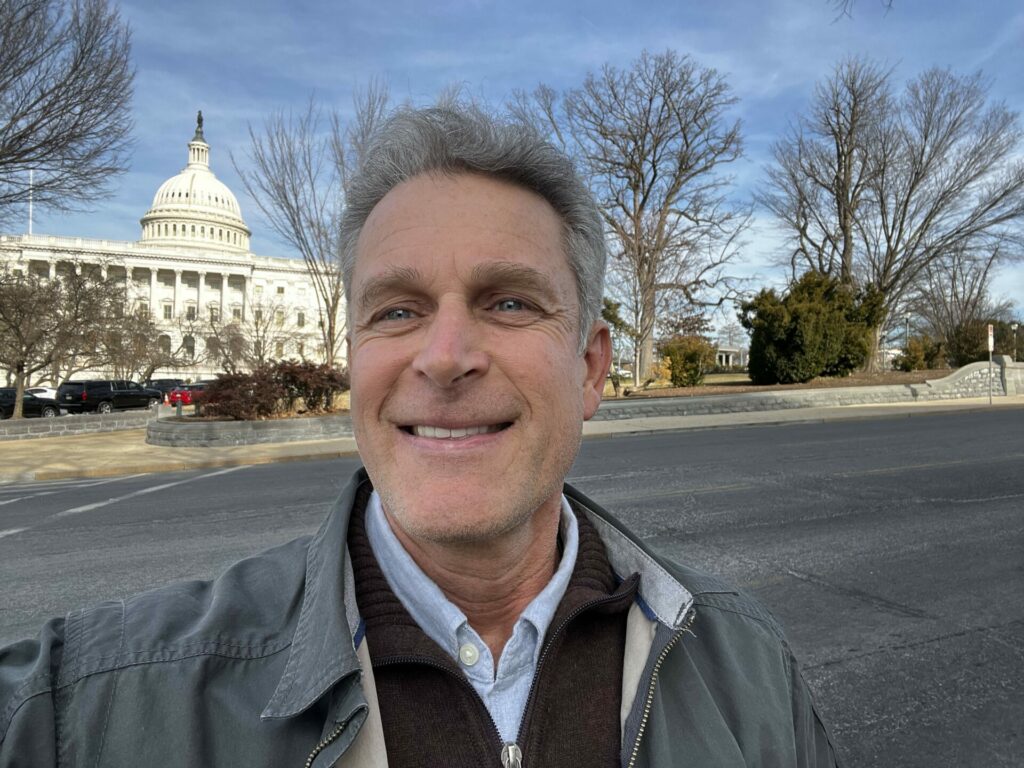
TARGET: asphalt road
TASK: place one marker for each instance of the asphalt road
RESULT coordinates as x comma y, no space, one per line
891,549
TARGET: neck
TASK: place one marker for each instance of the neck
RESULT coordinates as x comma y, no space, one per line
492,581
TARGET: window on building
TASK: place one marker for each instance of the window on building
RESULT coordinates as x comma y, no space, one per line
279,318
259,316
301,349
143,309
189,343
214,314
279,349
168,312
190,312
300,319
280,290
236,313
163,343
258,290
213,345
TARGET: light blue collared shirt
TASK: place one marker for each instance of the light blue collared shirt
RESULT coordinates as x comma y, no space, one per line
504,693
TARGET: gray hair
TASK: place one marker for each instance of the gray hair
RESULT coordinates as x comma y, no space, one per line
453,140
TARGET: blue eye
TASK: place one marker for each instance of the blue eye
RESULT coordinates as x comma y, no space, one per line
510,305
399,313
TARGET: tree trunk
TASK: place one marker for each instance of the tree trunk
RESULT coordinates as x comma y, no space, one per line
19,390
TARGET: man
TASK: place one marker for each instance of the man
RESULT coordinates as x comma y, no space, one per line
460,606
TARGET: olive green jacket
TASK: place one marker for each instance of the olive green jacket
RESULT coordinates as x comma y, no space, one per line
267,666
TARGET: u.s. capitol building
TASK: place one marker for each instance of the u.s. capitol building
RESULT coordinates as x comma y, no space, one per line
192,267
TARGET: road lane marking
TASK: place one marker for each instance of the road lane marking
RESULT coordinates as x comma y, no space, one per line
143,491
11,531
65,488
932,465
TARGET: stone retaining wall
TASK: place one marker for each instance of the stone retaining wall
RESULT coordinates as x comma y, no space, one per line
185,432
969,381
77,424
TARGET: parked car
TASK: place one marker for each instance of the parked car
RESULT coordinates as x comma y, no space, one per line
105,395
50,392
31,405
186,393
164,385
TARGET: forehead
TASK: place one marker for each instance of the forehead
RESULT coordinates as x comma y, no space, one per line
431,218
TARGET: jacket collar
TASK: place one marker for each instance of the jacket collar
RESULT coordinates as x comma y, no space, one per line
661,595
323,649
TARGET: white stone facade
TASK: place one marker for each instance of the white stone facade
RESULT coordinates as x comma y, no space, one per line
192,263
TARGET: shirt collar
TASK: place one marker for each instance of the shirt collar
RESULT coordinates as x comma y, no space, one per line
436,615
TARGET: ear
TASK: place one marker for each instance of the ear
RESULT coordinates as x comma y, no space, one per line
597,357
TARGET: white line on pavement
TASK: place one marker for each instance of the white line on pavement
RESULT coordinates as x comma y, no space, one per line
11,531
65,488
152,489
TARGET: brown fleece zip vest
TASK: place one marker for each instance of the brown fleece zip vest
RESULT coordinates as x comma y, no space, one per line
431,714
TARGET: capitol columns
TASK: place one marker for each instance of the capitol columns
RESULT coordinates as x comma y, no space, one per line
152,290
177,293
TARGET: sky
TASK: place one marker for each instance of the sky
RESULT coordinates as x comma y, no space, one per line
241,61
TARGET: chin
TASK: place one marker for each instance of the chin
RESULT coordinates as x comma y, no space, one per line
460,518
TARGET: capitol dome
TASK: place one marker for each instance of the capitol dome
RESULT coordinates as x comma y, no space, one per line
194,208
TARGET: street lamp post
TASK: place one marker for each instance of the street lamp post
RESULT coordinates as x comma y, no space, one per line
1013,352
906,339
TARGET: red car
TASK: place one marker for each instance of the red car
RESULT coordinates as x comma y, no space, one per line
187,393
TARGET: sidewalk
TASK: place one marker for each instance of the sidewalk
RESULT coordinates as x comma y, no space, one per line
127,453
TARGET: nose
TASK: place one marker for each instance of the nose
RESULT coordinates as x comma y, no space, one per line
451,352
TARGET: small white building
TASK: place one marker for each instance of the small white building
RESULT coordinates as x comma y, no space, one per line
192,262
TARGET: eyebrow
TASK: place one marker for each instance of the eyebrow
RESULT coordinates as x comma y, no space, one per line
391,280
510,274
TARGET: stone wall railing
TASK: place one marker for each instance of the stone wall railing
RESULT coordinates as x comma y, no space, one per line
78,424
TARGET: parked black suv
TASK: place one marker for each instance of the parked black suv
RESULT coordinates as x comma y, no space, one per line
164,385
30,404
104,396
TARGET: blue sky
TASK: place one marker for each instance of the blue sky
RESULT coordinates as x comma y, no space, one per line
238,61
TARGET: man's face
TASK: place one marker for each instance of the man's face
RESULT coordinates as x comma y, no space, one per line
468,389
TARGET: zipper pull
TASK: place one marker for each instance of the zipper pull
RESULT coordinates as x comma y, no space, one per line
511,756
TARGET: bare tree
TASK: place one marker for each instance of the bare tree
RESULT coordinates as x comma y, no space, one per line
938,174
845,7
824,166
953,302
131,348
950,181
652,140
65,94
300,168
268,332
43,321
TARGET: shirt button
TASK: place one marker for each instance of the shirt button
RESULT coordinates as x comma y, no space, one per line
469,655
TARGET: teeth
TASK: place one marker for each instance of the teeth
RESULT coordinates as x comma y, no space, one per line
441,433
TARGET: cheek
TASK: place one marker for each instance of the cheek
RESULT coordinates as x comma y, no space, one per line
374,370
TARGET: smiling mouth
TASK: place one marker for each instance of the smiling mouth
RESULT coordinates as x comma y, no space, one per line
457,433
